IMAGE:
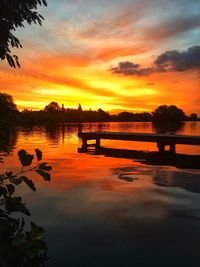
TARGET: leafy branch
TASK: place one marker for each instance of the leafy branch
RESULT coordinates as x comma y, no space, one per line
14,14
17,246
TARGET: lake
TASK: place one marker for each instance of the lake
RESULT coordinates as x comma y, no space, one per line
110,211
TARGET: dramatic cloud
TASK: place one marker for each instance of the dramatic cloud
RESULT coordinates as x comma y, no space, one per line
170,61
179,61
129,68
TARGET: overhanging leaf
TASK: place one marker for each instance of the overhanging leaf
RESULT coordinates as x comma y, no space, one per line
3,191
25,158
38,154
35,247
28,182
46,176
37,232
14,204
44,167
11,189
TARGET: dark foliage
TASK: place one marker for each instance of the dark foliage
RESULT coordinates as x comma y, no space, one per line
6,103
128,116
14,14
193,117
52,107
18,247
166,113
8,109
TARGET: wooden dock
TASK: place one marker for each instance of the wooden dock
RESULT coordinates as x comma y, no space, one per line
162,140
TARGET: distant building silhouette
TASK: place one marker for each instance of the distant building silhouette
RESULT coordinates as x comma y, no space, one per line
80,108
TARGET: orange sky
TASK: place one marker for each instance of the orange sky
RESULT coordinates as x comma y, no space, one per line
69,58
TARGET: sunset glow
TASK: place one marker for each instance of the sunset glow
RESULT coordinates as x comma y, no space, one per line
74,57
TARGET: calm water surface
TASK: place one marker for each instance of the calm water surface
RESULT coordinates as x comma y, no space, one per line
102,211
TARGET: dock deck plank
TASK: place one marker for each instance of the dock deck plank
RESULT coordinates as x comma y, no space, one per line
143,137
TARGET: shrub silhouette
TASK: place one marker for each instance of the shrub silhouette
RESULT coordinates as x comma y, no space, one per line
18,247
170,113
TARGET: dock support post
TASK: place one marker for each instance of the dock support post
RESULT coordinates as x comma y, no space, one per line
172,148
97,143
161,147
84,144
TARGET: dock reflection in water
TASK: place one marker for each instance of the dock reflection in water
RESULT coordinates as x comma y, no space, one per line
153,158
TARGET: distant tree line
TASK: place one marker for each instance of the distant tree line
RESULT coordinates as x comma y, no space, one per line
54,113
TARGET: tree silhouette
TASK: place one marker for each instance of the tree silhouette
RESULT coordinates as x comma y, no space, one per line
166,113
103,115
193,117
52,107
8,109
13,14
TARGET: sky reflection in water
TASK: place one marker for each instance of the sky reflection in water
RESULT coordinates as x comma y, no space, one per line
101,211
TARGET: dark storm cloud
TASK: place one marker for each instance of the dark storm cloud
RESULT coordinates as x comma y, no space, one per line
179,61
129,68
169,61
